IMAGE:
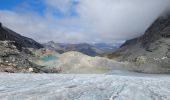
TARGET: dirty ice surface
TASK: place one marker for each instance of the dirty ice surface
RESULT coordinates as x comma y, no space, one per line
84,87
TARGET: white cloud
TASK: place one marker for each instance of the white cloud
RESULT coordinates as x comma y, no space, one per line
63,5
120,19
98,20
42,29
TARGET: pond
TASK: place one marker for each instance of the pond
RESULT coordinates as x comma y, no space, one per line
49,58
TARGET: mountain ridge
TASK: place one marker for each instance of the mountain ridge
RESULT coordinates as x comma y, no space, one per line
150,51
86,48
20,41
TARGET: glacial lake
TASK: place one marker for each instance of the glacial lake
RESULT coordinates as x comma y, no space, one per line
49,58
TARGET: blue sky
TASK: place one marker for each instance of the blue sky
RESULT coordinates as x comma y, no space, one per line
37,6
80,20
9,4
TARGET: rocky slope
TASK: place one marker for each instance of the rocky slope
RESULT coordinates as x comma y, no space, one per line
83,87
20,41
151,52
15,55
14,61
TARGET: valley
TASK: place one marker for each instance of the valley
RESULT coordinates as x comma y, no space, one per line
101,68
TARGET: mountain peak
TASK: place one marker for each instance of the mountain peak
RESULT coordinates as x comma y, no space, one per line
150,51
159,29
19,40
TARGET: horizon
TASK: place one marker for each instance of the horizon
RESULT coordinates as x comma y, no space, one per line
89,43
80,21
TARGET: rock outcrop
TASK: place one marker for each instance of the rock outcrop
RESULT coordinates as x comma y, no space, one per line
159,29
12,60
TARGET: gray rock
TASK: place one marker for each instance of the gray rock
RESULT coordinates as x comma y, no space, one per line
1,60
12,60
168,54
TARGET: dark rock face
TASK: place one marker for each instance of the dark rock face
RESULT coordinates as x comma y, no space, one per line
130,42
20,41
159,29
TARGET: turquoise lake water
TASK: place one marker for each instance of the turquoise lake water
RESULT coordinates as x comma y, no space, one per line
49,58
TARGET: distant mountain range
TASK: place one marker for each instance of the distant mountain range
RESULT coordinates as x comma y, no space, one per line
88,49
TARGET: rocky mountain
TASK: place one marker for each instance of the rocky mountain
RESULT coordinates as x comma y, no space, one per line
129,42
15,53
19,40
88,49
150,51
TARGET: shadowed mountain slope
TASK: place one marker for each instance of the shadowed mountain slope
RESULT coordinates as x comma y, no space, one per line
20,41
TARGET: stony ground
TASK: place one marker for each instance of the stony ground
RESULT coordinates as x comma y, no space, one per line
84,87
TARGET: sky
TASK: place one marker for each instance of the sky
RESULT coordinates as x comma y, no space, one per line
75,21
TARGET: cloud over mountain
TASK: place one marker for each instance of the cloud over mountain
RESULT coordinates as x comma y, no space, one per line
86,20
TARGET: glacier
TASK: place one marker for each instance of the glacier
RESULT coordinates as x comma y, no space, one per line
84,86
